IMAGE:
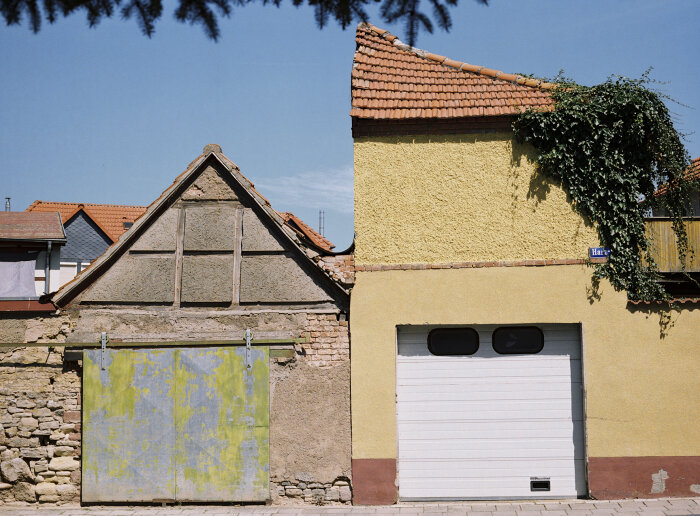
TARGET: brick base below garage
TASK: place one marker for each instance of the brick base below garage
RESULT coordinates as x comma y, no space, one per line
374,481
643,477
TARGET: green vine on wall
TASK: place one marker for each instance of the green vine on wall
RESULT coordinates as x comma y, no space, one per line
611,146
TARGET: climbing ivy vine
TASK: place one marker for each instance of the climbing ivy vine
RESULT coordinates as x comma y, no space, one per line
611,146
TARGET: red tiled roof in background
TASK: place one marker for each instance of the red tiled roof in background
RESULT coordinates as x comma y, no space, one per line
391,80
109,218
302,227
20,225
692,174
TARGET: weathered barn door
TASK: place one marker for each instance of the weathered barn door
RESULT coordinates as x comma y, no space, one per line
180,424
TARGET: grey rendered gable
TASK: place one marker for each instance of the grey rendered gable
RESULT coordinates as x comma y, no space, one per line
207,241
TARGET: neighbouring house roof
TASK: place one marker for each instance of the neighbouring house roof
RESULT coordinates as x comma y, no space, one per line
307,231
692,174
110,218
20,225
391,80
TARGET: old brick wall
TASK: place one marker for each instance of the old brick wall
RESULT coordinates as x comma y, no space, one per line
330,339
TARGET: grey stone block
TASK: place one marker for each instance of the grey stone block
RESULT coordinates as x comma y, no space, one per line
15,470
24,492
136,279
207,279
210,228
256,235
161,236
277,278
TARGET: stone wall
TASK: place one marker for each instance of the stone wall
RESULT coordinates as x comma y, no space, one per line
39,427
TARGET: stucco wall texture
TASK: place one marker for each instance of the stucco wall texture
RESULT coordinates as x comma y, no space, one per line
641,375
457,198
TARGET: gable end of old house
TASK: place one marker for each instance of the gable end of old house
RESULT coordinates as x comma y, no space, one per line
207,242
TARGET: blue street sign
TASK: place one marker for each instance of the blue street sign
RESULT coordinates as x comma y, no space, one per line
598,252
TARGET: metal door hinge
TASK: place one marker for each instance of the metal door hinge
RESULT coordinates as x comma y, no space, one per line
248,338
104,350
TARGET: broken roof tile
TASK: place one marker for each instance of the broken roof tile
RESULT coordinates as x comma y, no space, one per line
302,227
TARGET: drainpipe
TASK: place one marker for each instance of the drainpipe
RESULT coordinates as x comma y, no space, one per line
47,269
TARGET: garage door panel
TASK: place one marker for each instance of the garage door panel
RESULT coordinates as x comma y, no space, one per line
456,452
495,388
496,414
413,341
508,368
495,468
452,377
454,429
488,369
493,393
490,490
528,446
481,426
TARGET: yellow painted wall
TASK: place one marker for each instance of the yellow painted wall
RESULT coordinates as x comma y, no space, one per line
457,198
643,390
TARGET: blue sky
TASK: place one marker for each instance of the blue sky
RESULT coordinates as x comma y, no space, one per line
107,115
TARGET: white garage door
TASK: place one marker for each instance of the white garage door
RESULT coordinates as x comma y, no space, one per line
490,425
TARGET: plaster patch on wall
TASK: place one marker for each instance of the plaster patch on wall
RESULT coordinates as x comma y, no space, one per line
658,481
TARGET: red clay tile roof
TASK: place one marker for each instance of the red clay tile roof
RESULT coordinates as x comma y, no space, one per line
20,225
391,80
109,218
302,227
692,174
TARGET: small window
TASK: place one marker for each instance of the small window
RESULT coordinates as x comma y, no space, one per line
127,225
453,341
518,340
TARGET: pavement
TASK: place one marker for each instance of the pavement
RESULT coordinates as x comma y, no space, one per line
652,507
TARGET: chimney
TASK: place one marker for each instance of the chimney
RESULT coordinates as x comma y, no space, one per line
7,204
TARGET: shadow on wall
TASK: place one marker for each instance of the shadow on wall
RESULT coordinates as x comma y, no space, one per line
540,183
668,313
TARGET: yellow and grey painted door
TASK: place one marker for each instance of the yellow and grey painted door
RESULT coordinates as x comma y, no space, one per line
180,424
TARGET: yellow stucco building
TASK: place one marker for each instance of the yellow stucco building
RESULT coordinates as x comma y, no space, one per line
485,362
